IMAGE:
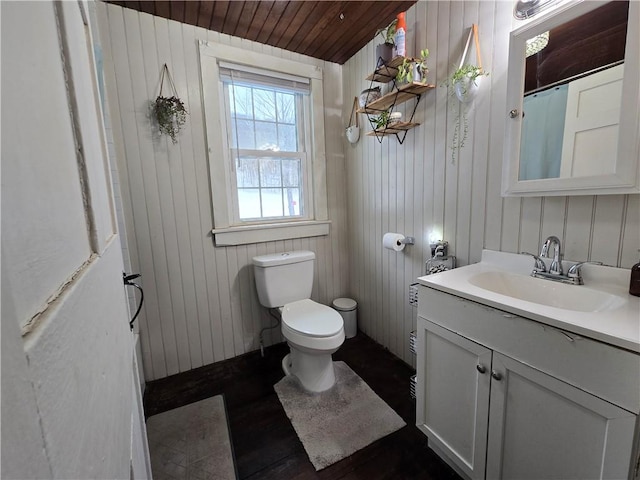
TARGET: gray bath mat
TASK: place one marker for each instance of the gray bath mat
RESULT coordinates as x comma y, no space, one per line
340,421
191,442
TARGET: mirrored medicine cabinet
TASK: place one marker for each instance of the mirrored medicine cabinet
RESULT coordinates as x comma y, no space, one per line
573,102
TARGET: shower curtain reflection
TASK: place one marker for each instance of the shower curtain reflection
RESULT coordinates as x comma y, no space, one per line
542,133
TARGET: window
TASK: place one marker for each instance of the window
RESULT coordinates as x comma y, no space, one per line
265,133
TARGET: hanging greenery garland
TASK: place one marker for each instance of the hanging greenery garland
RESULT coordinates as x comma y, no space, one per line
169,112
463,84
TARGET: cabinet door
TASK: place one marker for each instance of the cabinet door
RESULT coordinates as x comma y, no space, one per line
453,396
541,427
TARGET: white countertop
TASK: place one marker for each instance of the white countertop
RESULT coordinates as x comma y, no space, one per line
618,326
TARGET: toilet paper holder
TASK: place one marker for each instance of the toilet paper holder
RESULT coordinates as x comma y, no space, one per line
408,240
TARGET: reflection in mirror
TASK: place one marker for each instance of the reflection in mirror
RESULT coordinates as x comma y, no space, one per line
529,8
572,96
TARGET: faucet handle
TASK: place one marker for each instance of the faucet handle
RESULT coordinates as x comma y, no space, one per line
574,270
539,266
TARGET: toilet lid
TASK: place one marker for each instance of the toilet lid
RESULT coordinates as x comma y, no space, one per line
311,318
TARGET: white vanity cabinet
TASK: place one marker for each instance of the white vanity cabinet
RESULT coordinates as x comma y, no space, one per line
503,397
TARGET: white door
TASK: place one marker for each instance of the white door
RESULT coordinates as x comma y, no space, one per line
67,353
453,396
541,427
590,142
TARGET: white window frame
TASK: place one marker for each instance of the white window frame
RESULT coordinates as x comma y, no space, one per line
303,112
225,232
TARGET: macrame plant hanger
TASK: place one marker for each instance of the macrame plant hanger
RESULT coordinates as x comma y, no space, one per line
169,111
353,131
466,92
465,89
473,32
165,71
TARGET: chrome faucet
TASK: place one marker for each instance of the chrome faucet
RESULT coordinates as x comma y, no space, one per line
556,264
555,273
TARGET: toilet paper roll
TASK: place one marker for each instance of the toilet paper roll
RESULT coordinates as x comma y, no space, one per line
392,241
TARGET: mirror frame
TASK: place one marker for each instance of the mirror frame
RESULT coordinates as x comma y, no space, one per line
626,178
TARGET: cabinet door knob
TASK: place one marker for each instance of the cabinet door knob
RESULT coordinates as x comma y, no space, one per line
481,368
496,375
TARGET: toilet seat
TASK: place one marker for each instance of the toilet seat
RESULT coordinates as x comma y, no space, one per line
312,326
307,317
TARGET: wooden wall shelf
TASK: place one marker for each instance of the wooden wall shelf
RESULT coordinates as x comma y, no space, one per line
392,129
386,73
399,94
403,94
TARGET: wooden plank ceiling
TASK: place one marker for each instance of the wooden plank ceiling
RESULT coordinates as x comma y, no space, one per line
332,31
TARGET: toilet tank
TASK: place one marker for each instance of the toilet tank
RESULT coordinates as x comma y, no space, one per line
282,278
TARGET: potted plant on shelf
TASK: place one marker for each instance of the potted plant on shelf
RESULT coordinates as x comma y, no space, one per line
413,70
382,120
169,112
384,51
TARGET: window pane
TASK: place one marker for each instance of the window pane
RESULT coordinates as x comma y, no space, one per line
270,174
286,107
292,202
247,172
266,137
272,202
291,173
243,134
265,105
240,101
249,203
287,138
268,119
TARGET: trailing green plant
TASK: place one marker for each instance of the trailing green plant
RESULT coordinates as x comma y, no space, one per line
460,130
388,33
382,120
406,69
461,122
170,115
169,112
472,72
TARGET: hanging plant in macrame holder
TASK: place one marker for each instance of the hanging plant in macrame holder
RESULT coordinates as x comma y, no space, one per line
169,112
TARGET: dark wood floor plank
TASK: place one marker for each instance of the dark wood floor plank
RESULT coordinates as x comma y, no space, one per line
265,444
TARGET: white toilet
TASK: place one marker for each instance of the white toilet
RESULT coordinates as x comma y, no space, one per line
312,330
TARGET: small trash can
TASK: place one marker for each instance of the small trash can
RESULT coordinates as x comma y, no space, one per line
348,310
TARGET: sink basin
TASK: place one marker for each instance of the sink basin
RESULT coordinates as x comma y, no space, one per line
601,309
546,292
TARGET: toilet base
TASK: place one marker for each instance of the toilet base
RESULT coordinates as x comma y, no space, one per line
314,371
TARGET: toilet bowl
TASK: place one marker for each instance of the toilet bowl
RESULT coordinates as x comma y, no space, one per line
313,332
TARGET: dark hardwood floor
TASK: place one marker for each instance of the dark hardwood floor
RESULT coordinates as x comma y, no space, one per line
264,442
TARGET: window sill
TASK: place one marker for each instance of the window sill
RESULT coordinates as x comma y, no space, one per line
224,237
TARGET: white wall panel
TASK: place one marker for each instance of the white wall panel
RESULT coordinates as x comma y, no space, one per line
200,300
415,187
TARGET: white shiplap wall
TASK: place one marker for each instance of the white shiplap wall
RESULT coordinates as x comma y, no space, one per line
415,187
200,301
